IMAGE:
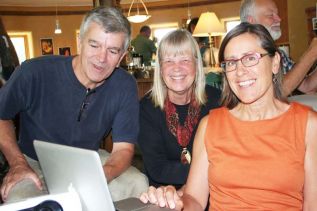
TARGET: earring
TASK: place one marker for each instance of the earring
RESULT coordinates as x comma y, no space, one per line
274,78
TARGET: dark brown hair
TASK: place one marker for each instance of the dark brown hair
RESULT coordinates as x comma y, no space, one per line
229,99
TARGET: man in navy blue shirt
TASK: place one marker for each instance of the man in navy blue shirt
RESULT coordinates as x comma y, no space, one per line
74,101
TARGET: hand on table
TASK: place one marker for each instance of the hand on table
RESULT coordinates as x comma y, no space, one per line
16,174
165,196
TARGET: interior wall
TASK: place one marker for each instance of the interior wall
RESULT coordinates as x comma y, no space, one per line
297,26
43,26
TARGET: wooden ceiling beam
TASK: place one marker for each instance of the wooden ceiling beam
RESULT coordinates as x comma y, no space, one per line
48,11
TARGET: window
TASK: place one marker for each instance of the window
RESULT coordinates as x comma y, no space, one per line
230,24
77,40
160,30
22,44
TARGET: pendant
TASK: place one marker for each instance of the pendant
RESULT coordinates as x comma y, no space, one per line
185,156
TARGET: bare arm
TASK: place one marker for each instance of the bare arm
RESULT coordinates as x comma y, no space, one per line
310,186
119,160
196,190
309,84
19,168
294,77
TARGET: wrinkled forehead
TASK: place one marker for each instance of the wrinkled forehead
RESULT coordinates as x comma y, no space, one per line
173,49
242,44
266,6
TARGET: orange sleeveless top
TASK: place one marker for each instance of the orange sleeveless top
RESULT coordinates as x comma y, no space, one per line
256,165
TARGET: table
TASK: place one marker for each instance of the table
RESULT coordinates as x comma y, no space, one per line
310,100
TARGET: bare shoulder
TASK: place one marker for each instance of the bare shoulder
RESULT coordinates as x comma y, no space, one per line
311,132
312,118
204,121
201,131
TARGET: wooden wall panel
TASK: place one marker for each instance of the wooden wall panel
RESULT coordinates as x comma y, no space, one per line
282,10
310,13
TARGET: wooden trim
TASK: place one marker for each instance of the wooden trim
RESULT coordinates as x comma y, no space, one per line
40,13
310,10
80,10
43,11
310,13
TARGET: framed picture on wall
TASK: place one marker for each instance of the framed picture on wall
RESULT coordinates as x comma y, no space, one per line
65,51
47,46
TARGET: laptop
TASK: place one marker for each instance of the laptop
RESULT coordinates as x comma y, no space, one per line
64,165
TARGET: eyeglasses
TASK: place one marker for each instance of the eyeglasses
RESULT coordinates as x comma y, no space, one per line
248,60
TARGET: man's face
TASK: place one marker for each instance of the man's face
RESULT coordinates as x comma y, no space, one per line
266,14
100,53
148,33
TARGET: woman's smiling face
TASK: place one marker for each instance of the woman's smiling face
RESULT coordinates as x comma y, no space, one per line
250,83
178,72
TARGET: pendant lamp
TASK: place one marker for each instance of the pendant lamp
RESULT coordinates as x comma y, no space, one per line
138,18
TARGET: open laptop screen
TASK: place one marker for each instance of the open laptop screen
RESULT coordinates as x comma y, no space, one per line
63,166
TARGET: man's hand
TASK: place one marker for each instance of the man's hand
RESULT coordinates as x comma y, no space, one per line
16,174
165,196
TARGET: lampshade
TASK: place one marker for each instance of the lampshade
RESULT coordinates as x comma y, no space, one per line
208,25
138,18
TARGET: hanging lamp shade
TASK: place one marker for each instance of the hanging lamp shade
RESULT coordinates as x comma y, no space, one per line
58,29
189,15
138,18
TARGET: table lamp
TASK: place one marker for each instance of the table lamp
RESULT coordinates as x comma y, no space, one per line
209,25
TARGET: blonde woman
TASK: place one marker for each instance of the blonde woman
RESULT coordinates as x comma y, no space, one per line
257,152
170,113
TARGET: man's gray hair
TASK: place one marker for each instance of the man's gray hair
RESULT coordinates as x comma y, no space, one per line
111,19
247,9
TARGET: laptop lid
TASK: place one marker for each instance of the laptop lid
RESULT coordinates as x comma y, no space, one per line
65,165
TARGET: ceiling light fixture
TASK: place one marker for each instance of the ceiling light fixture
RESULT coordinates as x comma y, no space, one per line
189,15
58,29
137,18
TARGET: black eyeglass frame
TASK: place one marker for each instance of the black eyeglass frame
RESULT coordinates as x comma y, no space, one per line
258,56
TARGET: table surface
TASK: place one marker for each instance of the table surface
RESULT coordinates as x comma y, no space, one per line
310,100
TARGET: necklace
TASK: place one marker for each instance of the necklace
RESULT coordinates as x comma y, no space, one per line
182,133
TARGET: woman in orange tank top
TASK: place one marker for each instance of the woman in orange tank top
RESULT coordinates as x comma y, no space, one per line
257,152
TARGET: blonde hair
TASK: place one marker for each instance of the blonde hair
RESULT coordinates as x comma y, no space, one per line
178,42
